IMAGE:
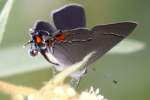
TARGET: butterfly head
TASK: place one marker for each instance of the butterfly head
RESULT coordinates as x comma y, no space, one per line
39,41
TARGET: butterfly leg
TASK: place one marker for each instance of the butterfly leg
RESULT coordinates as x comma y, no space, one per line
75,81
51,49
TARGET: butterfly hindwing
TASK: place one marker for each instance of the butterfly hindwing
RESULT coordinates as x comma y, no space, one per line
44,26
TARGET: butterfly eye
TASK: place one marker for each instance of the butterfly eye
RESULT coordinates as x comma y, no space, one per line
49,42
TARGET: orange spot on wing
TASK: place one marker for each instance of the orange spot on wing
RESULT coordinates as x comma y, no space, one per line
60,37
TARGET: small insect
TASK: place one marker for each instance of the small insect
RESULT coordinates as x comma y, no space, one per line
115,81
69,40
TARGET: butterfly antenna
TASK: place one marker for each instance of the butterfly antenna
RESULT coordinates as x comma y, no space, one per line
75,82
27,43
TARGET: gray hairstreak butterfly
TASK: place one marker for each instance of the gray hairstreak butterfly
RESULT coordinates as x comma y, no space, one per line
68,39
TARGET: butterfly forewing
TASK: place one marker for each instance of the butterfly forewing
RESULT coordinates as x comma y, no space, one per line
122,28
103,38
69,17
74,49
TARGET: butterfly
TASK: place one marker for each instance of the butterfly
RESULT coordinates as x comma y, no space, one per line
68,39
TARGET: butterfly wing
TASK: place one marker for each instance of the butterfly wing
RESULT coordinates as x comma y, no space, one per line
69,17
44,26
70,52
107,36
104,37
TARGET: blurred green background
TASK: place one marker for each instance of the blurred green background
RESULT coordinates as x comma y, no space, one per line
132,71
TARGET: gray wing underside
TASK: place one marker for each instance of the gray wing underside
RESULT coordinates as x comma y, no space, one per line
69,17
104,37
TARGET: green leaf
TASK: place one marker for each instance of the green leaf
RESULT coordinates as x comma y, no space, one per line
127,46
15,60
70,69
4,17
